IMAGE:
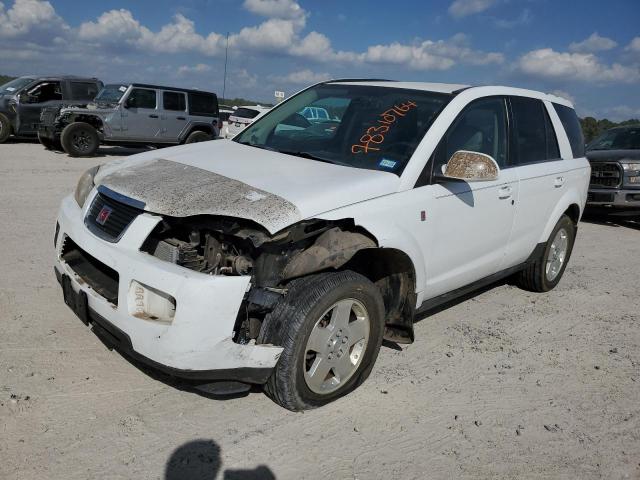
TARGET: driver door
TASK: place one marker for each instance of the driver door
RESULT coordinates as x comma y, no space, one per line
141,117
472,220
43,94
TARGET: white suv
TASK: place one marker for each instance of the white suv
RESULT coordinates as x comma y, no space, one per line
285,256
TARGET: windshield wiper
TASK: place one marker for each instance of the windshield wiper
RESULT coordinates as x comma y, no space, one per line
308,155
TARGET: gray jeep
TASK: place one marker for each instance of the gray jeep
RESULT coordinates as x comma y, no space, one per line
132,114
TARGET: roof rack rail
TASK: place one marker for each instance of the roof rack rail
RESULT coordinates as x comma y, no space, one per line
333,80
460,90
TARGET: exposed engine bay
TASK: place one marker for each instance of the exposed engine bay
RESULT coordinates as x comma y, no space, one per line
229,246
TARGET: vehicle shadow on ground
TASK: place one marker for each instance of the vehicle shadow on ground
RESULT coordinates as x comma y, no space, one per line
200,459
599,218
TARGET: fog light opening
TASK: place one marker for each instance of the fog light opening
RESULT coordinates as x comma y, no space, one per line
148,303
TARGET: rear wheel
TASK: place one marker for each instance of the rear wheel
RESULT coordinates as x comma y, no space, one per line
547,270
330,326
79,139
5,128
49,144
198,136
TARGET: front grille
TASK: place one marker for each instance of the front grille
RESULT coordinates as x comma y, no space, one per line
109,218
101,278
607,175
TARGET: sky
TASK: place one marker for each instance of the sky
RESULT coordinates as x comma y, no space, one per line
587,51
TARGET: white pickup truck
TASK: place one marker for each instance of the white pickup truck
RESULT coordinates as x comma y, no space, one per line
285,256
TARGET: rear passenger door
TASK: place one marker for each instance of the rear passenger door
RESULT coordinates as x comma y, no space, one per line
541,171
173,115
83,91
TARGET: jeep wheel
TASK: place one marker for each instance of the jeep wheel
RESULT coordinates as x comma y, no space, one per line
195,137
5,128
547,270
49,144
79,139
331,327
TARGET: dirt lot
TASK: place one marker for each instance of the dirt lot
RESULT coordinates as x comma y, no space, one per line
506,384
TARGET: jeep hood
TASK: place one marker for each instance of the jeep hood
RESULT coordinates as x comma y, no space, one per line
226,178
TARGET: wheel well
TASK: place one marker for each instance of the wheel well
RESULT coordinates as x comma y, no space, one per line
573,212
200,128
95,122
392,271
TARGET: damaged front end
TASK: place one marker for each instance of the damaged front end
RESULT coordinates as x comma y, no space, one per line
230,246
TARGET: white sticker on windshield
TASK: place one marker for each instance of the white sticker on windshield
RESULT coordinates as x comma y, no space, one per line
11,89
123,89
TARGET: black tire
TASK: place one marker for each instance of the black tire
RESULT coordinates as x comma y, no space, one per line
79,139
534,278
292,321
49,144
198,136
5,128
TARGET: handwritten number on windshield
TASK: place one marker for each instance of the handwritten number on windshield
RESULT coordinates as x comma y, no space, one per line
376,135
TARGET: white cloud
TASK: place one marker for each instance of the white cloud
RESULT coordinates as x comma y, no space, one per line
198,68
595,43
524,18
463,8
114,26
586,67
634,45
315,46
27,16
302,77
282,9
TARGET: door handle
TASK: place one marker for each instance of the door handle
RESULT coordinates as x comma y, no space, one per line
558,182
153,116
505,192
180,118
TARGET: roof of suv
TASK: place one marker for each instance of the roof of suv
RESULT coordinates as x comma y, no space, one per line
162,87
453,88
58,77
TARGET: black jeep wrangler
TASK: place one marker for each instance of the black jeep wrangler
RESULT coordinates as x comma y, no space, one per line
22,100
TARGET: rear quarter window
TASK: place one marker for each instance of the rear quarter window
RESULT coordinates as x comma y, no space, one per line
572,127
84,90
203,104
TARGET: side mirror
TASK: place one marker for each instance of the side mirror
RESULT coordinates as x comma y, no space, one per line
471,167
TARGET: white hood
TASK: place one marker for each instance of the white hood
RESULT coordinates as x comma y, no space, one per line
226,178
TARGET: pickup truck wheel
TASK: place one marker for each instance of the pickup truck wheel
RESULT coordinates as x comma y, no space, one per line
198,136
79,139
5,128
547,270
49,144
331,327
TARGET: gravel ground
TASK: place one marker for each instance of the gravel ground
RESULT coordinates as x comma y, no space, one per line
506,384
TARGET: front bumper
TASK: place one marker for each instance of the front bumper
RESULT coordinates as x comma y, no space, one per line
197,343
627,199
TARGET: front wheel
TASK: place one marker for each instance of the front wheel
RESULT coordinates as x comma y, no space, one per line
547,270
331,327
5,128
79,139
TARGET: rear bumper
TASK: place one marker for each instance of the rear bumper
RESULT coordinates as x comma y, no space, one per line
197,342
628,199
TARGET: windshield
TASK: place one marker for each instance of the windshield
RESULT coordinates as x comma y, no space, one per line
111,93
14,85
376,128
617,139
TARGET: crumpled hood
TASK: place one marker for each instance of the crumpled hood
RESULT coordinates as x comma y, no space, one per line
226,178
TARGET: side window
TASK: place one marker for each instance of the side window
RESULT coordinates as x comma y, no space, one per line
481,127
142,98
174,101
203,104
45,92
571,125
83,90
533,134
